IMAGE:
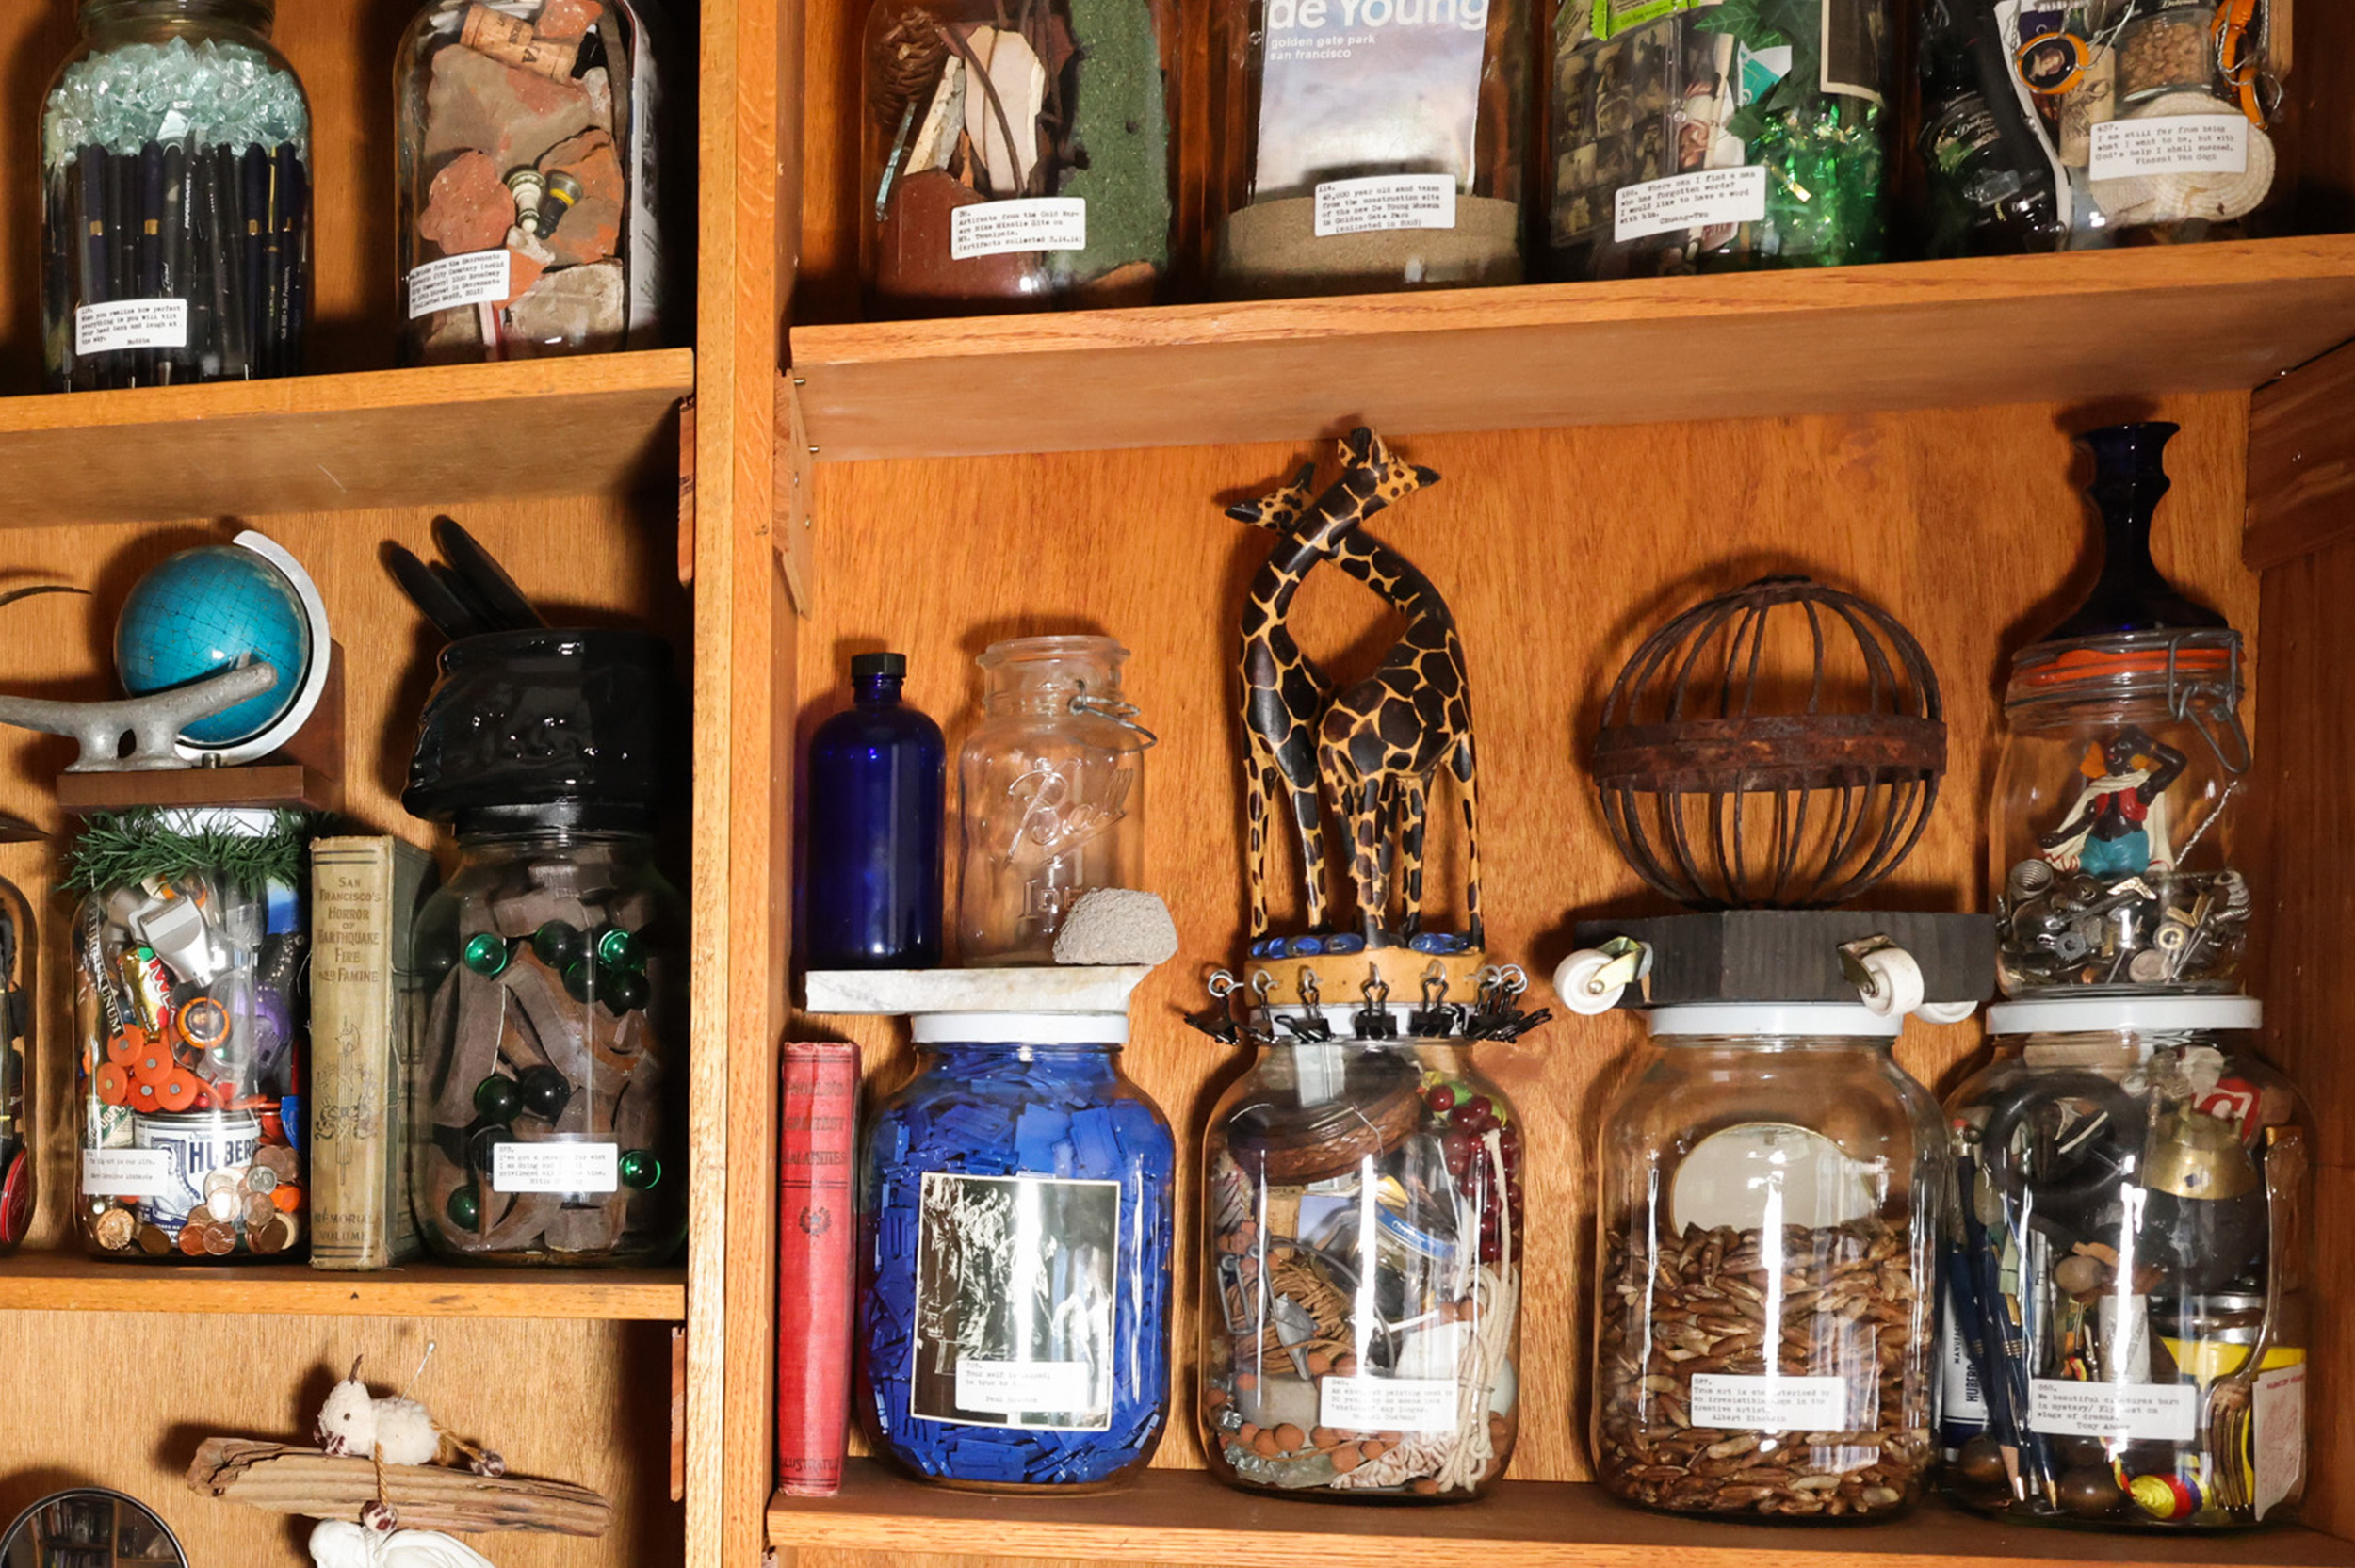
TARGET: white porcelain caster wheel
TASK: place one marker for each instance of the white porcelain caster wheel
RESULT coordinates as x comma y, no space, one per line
1888,982
1591,981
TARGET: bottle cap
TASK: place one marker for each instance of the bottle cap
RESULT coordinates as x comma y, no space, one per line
865,665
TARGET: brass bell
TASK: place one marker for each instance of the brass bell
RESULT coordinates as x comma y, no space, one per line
2194,1155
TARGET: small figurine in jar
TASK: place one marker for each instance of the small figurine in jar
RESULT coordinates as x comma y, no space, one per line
2118,826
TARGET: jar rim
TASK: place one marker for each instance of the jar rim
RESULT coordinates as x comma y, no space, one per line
1019,1029
260,15
1058,646
2126,664
1778,1019
2111,1013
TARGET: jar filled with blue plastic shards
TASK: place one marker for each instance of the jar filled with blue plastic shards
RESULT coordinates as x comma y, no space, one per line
1015,1226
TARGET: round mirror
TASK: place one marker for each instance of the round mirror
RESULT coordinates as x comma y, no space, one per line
90,1528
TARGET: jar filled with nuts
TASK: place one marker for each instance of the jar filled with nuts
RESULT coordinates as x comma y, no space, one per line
2126,1319
1360,1324
1771,1181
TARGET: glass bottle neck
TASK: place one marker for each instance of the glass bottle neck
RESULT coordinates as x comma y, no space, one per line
543,841
876,691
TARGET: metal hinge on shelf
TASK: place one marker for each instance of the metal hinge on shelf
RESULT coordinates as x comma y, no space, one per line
790,525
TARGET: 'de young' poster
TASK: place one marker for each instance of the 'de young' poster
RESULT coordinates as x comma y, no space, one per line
1354,87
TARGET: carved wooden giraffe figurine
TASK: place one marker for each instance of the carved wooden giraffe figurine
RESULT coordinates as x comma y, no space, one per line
1284,694
1380,745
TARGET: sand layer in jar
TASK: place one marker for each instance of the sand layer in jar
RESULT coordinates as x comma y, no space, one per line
1272,247
1845,1305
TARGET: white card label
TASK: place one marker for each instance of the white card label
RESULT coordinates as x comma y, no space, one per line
1016,1386
131,324
125,1172
1009,228
1385,201
2279,1411
482,277
2171,144
1770,1404
556,1167
1702,200
2154,1412
1387,1404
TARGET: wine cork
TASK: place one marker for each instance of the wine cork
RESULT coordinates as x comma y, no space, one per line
512,43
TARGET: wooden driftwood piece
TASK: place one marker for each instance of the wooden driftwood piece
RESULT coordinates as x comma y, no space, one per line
428,1498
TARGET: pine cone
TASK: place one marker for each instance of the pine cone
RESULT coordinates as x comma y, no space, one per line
903,64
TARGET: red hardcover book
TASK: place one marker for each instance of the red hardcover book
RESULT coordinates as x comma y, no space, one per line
817,1222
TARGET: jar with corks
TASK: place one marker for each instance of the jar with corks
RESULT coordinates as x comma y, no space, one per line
1017,158
527,218
2129,1304
1367,145
1361,1285
1771,1184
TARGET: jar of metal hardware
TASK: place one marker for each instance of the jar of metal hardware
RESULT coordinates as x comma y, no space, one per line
17,943
1051,789
1698,140
176,211
190,1007
1363,1275
2127,1313
1366,145
1017,160
1771,1184
1016,1222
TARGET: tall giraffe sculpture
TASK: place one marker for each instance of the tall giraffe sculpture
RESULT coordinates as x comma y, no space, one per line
1284,694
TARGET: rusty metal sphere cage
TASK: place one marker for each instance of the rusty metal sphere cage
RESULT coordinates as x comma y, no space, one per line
1779,746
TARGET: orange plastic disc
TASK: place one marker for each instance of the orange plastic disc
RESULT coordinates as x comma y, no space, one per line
154,1065
145,1098
178,1090
114,1084
286,1199
122,1048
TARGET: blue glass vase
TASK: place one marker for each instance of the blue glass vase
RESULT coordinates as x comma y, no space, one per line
877,775
1015,1225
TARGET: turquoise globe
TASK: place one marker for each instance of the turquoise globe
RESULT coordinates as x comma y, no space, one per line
207,610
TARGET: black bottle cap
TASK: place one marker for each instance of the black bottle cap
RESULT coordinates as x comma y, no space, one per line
865,665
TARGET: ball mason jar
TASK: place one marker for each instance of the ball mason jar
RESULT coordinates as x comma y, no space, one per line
2127,1313
1016,160
191,1012
1770,1190
1363,1272
176,199
527,221
1015,1226
548,1119
1367,145
1051,794
18,1002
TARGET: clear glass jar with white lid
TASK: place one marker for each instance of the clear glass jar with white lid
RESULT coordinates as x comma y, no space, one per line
2127,1319
1771,1181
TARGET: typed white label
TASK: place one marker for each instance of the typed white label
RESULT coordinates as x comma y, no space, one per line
1388,1404
131,324
1385,201
125,1172
1703,200
2171,144
2160,1413
1011,228
483,278
1017,1386
1769,1404
556,1167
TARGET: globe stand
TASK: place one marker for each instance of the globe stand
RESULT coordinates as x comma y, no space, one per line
306,773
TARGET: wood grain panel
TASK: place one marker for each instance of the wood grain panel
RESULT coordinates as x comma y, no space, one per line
2301,462
1559,551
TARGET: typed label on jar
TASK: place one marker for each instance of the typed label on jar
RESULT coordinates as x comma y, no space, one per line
556,1167
2278,1408
1388,1404
2171,144
1010,1387
482,277
1740,1403
131,324
1704,200
125,1172
1011,228
1385,201
2159,1412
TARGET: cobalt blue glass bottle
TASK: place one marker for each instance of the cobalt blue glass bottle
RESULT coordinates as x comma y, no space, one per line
1016,1224
877,774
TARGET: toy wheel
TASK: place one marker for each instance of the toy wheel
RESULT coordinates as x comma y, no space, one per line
1575,982
1945,1012
1893,985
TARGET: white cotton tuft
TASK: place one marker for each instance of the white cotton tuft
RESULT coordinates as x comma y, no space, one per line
1118,925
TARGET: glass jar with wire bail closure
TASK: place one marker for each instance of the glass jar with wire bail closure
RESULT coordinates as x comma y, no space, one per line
1364,1246
1770,1188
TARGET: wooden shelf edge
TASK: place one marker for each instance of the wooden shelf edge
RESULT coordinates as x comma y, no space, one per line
51,1283
1187,1516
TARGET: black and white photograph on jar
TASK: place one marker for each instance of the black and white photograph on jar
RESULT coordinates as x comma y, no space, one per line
1015,1301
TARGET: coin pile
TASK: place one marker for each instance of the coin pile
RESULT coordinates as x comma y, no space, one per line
1836,1301
255,1208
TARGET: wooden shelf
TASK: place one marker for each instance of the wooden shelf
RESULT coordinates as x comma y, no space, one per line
1923,334
1186,1517
441,436
48,1281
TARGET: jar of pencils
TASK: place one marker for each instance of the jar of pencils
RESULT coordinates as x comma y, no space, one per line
175,148
526,219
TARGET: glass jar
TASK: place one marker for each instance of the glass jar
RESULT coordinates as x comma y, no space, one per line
1052,185
871,887
176,202
1709,140
17,943
1361,1294
2127,1315
548,1121
1769,1177
190,950
527,220
1016,1224
1051,794
1367,145
1988,187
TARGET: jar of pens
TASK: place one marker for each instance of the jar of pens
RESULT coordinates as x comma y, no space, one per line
176,199
2127,1315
